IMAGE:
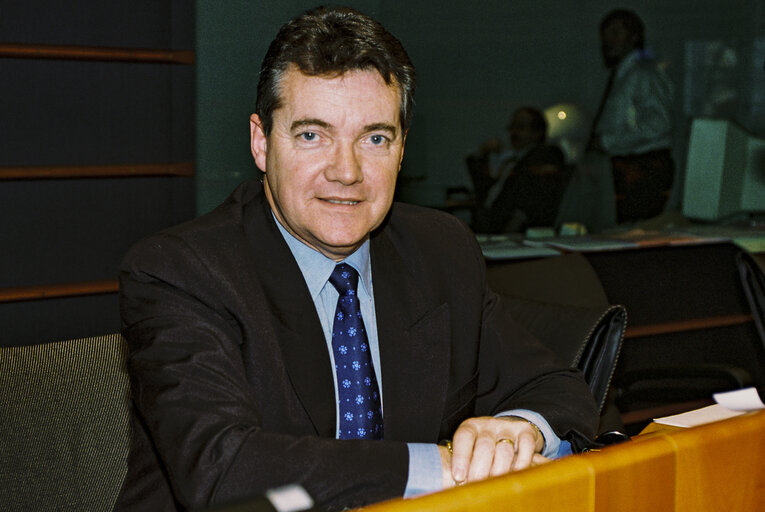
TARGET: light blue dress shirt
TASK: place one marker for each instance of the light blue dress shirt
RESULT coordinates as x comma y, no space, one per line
637,117
424,458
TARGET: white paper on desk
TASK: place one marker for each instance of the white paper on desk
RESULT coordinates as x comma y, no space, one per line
697,417
740,400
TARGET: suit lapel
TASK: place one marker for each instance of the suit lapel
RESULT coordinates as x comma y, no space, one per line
413,333
294,320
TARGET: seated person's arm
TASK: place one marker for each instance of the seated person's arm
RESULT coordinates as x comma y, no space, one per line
479,168
490,446
427,462
518,372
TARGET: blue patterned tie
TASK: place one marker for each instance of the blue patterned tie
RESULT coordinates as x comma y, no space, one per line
358,393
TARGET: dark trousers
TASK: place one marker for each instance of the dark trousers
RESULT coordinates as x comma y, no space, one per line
642,184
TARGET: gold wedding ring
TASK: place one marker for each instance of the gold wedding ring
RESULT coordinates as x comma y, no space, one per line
505,440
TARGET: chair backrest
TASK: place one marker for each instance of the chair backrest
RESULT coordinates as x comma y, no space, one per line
561,301
751,268
588,338
566,279
64,424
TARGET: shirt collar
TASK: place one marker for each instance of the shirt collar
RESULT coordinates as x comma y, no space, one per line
317,268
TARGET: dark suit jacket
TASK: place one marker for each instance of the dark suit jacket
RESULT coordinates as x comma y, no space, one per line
231,378
535,187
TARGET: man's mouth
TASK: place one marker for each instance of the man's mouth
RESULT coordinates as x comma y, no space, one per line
338,201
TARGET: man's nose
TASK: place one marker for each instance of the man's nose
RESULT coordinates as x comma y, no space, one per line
345,166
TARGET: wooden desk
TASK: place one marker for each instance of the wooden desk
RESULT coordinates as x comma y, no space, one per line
715,467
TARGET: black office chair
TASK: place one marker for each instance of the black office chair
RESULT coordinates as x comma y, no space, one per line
588,338
693,383
561,301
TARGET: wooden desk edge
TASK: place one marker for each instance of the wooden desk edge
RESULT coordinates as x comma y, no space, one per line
479,494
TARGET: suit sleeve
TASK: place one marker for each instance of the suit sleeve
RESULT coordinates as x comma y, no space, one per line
192,391
518,372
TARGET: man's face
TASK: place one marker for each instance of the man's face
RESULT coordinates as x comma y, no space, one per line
332,157
616,42
522,131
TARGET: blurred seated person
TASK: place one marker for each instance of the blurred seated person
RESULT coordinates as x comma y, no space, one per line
522,186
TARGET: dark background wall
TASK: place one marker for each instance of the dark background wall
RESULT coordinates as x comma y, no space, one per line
101,113
476,62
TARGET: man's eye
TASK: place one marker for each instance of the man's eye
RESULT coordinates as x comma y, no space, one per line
308,136
378,139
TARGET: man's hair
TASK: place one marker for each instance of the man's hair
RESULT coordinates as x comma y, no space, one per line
330,41
538,121
631,22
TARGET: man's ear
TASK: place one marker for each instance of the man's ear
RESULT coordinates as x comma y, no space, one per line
403,145
258,142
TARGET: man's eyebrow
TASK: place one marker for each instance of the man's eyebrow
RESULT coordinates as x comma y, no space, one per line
309,122
376,127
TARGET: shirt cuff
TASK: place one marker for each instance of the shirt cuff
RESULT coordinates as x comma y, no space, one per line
425,472
552,442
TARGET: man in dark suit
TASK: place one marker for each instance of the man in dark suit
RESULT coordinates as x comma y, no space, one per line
235,320
522,186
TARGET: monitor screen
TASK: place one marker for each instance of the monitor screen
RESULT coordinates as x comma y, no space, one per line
725,171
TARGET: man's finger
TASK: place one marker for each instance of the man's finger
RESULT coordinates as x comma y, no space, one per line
524,452
462,451
504,453
483,455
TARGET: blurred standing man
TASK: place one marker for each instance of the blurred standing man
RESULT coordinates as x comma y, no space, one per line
634,122
310,331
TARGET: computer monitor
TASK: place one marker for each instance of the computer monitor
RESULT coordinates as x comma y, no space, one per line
725,171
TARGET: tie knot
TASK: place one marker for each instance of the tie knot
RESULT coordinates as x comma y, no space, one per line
344,278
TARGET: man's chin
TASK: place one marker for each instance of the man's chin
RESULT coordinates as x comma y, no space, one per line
339,247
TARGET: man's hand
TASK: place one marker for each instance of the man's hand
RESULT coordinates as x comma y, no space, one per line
487,446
